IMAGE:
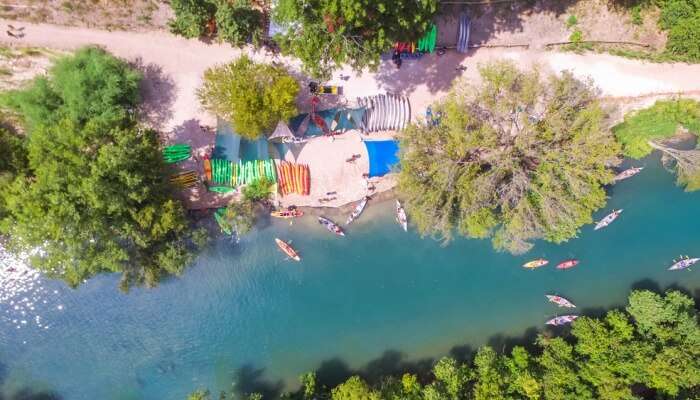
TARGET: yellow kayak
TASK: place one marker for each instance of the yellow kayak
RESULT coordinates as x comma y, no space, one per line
540,262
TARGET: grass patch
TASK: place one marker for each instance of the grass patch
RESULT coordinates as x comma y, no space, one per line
660,121
571,21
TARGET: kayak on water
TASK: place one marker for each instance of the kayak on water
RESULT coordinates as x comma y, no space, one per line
287,213
331,226
560,301
563,320
608,219
401,216
540,262
570,263
684,263
287,249
357,211
628,173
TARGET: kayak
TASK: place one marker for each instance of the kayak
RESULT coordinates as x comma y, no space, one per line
331,226
608,219
207,169
401,216
567,264
563,320
560,301
540,262
287,214
287,249
628,173
357,211
683,264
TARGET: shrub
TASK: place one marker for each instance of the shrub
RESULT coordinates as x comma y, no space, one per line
571,21
258,190
237,23
191,17
674,12
684,39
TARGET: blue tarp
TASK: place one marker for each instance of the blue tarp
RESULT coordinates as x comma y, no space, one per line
383,154
230,146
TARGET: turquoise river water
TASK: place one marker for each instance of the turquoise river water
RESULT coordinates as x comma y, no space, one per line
374,299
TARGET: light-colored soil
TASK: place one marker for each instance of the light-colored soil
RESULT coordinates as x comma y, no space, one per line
173,68
19,65
131,15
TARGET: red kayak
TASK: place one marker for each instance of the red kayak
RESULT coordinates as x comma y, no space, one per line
567,264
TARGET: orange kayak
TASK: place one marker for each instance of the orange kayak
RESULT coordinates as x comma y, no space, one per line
568,264
207,169
287,249
286,214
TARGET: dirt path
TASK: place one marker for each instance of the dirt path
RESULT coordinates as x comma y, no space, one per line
173,67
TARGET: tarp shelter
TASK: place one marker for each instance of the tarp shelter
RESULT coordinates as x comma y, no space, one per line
337,119
382,154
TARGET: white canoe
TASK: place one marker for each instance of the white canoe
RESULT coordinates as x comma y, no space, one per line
608,219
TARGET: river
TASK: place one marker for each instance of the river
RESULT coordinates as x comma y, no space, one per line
376,300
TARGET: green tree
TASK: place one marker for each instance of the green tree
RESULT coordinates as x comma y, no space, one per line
308,384
191,17
258,190
325,34
95,198
13,162
199,395
240,215
354,389
516,158
455,377
254,97
238,23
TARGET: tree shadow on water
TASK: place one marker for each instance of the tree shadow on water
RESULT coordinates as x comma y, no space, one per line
249,379
25,393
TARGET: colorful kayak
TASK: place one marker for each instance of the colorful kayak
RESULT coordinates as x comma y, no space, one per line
357,211
401,216
540,262
287,249
570,263
608,219
207,169
331,226
683,264
628,173
560,301
563,320
287,214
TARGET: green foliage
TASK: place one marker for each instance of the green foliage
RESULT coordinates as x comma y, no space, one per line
636,15
13,162
354,389
325,34
681,18
651,347
90,85
240,215
576,36
517,158
660,121
191,17
95,196
254,97
238,23
308,384
571,21
258,190
674,12
199,395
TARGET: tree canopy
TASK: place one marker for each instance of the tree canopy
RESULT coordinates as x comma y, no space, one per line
325,34
232,21
95,196
516,158
651,349
254,97
644,130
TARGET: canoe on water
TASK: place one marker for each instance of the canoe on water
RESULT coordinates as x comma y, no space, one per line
331,226
357,211
560,301
683,264
286,214
608,219
287,249
628,173
540,262
570,263
563,320
401,216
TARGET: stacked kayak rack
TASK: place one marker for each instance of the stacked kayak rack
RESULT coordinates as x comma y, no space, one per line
426,44
293,178
184,180
176,153
385,112
224,172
